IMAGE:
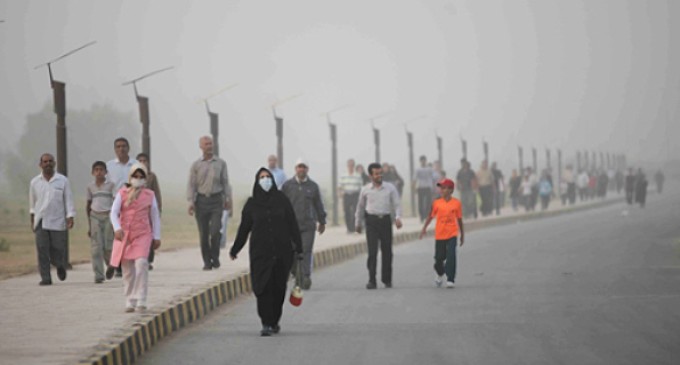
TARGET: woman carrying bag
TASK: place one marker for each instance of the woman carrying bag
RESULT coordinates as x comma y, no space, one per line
269,219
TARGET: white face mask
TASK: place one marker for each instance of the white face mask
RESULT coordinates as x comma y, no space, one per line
266,183
137,183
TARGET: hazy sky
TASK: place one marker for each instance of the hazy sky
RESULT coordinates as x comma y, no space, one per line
572,74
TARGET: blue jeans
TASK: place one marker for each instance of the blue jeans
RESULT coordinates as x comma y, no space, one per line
445,250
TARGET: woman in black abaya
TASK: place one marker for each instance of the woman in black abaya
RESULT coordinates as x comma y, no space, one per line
269,219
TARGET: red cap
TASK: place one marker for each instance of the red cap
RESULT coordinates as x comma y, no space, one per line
446,183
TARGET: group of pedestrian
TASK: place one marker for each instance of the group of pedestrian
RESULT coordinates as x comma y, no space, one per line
123,220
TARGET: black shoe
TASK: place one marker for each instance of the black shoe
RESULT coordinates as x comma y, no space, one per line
98,281
150,267
61,273
119,272
110,271
306,283
266,331
276,329
371,285
216,264
45,282
207,267
388,285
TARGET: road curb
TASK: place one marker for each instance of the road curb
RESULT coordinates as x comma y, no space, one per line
125,347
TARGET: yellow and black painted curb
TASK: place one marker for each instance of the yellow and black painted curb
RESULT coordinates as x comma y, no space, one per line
126,347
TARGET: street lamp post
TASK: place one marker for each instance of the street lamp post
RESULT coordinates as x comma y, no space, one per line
59,93
535,159
144,117
411,162
214,119
547,158
376,135
485,147
520,153
279,128
334,162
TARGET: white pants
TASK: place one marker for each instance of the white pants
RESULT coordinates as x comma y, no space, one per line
135,281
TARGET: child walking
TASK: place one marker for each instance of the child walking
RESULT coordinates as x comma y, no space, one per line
99,201
449,226
137,227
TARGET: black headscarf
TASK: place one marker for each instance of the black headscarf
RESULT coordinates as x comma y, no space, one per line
259,195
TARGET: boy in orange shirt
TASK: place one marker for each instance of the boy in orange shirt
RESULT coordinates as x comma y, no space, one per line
449,214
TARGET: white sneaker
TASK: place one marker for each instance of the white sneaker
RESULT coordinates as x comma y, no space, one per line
438,280
449,284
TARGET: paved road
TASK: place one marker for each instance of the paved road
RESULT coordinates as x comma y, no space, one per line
596,287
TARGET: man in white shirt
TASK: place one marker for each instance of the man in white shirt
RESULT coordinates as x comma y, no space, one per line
119,168
378,203
52,213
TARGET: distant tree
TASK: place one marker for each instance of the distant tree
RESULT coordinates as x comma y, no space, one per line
90,135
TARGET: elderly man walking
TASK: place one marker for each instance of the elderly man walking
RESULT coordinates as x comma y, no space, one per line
305,197
208,194
278,173
378,203
52,213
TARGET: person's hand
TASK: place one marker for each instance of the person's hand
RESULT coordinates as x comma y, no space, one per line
397,222
358,229
191,209
227,204
422,233
462,240
118,235
322,228
89,234
230,213
156,244
299,256
232,257
69,222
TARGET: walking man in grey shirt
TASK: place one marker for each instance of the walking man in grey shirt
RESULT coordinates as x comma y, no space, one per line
209,193
378,203
52,212
305,197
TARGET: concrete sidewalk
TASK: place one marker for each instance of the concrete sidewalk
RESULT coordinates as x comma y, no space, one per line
76,321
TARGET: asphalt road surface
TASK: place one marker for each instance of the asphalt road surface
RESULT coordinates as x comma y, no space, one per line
595,287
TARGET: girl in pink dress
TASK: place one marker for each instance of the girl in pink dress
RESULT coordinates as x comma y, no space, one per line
137,226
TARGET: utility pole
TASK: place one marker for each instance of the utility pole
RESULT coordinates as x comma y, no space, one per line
59,93
485,147
535,159
144,117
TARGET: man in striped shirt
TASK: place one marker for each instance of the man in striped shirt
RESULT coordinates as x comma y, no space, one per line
349,188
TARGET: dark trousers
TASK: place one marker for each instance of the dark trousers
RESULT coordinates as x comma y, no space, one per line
424,202
486,193
445,251
349,204
208,214
571,192
51,247
270,301
379,229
